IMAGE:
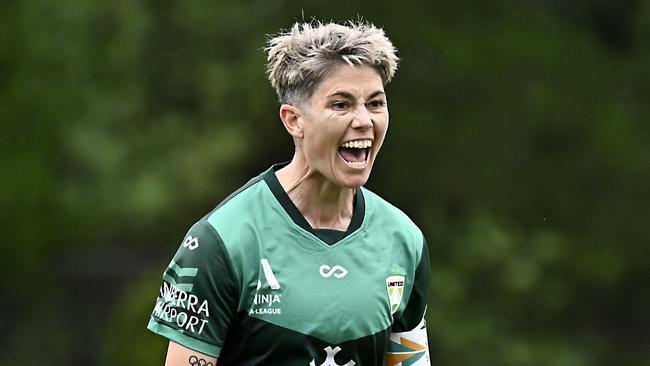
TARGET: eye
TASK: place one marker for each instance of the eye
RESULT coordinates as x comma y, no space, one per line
376,104
340,105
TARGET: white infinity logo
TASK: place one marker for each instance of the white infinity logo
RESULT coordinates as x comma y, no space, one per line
191,243
337,271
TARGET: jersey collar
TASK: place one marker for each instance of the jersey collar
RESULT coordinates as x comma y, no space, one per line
272,181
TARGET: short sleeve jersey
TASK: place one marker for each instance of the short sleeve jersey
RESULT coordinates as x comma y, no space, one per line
253,284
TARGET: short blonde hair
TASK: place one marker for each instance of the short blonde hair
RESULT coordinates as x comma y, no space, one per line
300,58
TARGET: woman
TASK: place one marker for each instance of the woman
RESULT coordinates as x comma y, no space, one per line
303,266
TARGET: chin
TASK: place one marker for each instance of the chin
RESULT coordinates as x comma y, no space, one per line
355,181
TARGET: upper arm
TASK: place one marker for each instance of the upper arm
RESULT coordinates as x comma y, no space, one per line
178,355
199,293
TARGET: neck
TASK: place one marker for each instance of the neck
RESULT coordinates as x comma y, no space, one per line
324,204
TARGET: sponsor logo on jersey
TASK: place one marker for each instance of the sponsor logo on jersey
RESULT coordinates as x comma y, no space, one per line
395,287
269,275
336,271
177,305
191,242
329,361
267,301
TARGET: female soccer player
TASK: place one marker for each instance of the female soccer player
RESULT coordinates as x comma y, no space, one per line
303,265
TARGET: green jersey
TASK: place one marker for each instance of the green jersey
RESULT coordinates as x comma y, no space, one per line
253,284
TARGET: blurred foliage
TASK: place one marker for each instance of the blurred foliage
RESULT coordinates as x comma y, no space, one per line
517,144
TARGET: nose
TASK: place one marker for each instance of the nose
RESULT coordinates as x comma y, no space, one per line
362,118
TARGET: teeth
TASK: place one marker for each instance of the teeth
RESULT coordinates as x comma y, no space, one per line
359,144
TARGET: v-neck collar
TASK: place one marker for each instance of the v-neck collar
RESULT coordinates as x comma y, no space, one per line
283,198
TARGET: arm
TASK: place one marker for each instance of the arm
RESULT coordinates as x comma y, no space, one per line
178,355
408,337
197,299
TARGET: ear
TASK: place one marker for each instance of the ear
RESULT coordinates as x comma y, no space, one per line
291,119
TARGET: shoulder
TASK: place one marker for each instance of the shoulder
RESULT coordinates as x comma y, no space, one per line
375,205
215,226
227,232
238,198
236,222
386,217
238,207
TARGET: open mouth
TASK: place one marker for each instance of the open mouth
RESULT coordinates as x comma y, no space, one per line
356,153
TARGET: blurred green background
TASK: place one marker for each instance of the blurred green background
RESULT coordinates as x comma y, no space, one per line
517,143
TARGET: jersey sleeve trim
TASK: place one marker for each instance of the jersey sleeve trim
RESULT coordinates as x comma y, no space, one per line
183,340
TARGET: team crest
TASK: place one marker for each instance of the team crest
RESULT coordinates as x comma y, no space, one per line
395,287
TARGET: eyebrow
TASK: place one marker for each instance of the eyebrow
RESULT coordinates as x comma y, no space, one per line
347,95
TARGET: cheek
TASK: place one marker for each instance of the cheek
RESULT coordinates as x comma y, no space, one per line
380,134
382,128
317,146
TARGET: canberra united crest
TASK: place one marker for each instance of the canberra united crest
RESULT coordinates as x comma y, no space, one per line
395,287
